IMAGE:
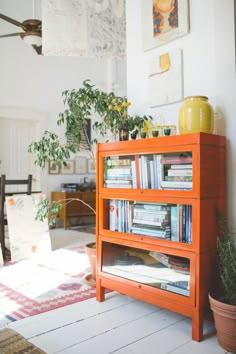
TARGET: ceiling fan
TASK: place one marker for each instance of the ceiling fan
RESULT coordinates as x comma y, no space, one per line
32,32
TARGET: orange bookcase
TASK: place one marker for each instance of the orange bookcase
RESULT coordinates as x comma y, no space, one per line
156,225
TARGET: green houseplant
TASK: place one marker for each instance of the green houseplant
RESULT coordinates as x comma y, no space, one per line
112,119
223,296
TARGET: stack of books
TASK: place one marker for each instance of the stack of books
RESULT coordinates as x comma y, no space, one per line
177,172
118,174
151,219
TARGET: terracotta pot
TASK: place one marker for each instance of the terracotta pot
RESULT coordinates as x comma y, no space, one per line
225,323
90,250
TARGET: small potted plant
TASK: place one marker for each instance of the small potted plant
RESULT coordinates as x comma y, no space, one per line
223,297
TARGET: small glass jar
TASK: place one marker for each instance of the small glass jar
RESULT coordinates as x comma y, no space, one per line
196,115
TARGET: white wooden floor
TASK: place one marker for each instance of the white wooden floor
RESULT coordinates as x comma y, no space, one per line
119,325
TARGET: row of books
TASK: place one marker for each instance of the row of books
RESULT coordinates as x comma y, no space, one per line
150,172
181,223
165,221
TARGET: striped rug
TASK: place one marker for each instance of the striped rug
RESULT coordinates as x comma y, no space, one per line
13,343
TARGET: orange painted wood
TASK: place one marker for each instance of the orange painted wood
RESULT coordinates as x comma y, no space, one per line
209,191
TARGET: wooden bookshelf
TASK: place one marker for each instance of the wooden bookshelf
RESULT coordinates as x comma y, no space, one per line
169,269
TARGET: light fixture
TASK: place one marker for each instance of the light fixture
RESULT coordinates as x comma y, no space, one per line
32,38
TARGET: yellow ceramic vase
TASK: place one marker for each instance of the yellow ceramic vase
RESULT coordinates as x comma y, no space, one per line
196,115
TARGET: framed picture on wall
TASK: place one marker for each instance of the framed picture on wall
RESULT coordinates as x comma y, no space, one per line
53,169
80,165
91,166
163,21
68,169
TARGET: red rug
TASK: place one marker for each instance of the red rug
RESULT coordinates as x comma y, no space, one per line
34,286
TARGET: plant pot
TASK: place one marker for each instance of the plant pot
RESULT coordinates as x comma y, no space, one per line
90,250
225,323
123,134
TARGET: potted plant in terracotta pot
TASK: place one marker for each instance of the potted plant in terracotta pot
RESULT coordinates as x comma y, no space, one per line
223,297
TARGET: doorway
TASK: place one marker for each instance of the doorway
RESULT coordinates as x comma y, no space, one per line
15,161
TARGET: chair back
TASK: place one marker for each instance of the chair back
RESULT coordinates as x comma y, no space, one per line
3,193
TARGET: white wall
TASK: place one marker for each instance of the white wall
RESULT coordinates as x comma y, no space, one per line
209,69
33,83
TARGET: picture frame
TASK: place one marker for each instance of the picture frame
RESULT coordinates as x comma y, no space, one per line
163,21
80,165
68,169
53,169
91,166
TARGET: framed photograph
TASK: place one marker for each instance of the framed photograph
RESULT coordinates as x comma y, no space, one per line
91,166
163,21
81,165
69,168
53,169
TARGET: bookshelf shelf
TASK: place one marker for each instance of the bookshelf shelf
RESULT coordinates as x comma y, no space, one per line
156,225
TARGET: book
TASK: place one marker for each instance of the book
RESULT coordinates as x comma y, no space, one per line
180,172
118,171
120,162
179,178
118,185
175,160
176,184
175,289
161,223
133,174
113,215
157,213
118,181
151,206
174,224
179,166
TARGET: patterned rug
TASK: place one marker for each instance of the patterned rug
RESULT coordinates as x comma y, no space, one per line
12,342
34,286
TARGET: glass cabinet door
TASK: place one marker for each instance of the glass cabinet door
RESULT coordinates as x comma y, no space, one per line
149,171
159,220
159,270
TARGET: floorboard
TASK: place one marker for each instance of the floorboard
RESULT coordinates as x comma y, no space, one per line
120,325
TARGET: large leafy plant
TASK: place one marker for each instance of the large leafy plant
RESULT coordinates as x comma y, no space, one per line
112,116
226,254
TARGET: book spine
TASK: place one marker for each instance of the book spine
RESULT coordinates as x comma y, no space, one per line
175,160
113,215
175,289
118,181
179,178
179,166
118,171
117,185
151,222
138,172
133,174
182,172
151,206
173,220
176,184
120,162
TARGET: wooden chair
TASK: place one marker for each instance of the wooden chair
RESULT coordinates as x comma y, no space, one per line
3,193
